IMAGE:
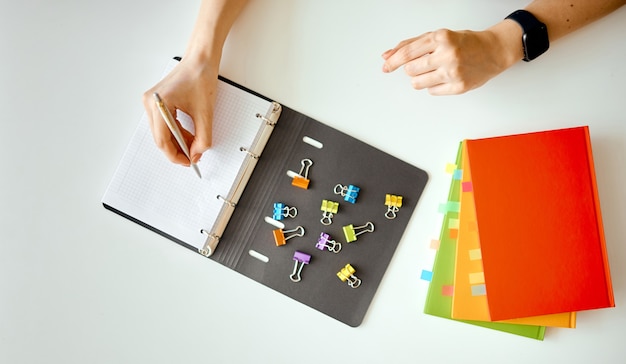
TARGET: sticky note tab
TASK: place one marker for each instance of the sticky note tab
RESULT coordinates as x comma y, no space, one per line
477,278
457,175
450,206
427,275
467,187
475,254
479,290
434,244
453,223
447,290
453,233
450,168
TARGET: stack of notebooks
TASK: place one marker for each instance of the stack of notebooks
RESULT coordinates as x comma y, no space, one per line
522,244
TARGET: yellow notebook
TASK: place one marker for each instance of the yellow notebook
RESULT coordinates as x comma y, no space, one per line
469,301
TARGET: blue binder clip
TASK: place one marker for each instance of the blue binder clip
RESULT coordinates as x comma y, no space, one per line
349,193
281,211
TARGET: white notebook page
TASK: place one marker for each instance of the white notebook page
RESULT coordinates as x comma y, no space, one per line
171,198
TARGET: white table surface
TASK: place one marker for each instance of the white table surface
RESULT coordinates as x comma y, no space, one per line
79,284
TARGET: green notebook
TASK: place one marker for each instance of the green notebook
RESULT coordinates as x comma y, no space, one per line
439,298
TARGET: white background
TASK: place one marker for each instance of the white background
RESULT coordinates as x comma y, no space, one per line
79,284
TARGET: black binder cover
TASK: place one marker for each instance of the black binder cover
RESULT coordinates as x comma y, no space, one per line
342,160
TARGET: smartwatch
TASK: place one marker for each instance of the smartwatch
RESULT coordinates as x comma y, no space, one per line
535,38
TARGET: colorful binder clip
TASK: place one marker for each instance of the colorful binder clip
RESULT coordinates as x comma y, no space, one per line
346,274
302,179
300,259
349,193
393,204
329,209
351,232
281,211
324,242
281,239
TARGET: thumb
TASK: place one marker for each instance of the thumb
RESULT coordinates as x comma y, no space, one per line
204,136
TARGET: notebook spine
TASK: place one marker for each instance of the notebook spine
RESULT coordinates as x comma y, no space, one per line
230,201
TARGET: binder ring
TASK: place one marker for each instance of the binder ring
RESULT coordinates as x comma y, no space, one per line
230,203
255,156
267,121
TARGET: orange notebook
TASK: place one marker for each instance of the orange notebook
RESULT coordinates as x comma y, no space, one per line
469,301
538,214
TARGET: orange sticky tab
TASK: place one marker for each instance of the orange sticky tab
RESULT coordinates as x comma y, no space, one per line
300,182
454,233
279,237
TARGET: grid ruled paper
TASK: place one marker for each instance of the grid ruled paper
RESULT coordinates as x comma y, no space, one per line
171,198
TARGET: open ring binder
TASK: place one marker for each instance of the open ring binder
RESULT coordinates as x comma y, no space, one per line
169,199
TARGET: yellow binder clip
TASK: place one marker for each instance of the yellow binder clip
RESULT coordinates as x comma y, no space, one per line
351,232
346,274
301,179
329,209
393,204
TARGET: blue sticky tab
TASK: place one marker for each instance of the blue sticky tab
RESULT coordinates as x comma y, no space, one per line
457,174
479,290
426,275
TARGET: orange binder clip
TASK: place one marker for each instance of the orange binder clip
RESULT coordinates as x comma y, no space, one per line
301,180
281,239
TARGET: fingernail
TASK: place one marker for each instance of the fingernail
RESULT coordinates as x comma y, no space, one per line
385,68
196,158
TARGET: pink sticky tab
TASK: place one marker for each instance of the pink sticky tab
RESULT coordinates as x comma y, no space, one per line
467,187
447,290
434,244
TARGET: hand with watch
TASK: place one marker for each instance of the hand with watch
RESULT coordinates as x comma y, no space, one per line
447,62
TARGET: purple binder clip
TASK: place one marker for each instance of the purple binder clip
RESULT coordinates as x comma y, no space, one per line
300,259
325,242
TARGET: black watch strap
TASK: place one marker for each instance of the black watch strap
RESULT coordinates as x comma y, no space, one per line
535,38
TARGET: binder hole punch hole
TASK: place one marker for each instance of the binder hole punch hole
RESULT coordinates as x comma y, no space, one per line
312,142
259,256
275,223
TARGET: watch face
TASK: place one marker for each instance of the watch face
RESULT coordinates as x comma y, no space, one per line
535,42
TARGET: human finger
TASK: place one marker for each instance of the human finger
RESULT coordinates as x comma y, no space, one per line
163,137
407,51
202,140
